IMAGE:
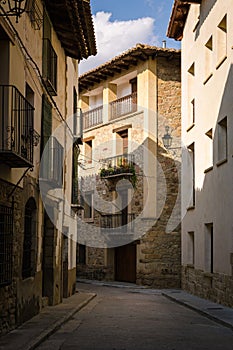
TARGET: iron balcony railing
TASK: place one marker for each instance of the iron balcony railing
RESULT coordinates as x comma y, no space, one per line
118,223
49,67
123,106
51,169
93,117
118,165
16,128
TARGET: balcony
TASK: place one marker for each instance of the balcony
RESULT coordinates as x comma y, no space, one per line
122,165
16,128
123,106
93,117
49,67
118,223
51,169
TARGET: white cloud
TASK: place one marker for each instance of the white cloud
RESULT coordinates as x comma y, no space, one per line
114,37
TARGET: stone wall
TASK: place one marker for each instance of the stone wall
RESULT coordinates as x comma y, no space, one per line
22,299
214,286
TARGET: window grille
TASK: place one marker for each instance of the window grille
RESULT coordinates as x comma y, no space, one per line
6,245
28,266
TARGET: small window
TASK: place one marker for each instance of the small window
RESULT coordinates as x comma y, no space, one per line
208,59
88,206
191,150
209,248
191,70
191,248
193,111
222,140
209,150
222,41
29,258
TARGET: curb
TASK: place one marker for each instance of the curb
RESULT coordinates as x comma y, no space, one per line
199,311
47,333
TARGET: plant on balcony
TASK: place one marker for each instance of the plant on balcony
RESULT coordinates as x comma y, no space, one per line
122,169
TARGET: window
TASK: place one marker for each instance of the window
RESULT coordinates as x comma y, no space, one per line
88,150
49,58
6,245
191,151
208,59
191,103
191,248
222,41
46,120
35,14
122,142
209,248
222,140
88,206
29,259
209,150
81,254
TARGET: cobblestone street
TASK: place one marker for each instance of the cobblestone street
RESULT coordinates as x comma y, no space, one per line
126,318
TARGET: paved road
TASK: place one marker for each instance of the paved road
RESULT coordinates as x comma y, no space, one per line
127,319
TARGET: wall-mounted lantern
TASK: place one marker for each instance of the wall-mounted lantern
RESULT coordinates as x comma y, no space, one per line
167,138
13,8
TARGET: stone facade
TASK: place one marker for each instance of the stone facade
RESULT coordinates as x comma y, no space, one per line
156,195
214,286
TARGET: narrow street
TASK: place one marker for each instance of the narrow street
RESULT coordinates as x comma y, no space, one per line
137,319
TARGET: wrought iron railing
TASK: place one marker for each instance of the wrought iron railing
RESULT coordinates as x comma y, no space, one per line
6,245
123,106
16,127
51,169
118,223
49,67
122,164
93,117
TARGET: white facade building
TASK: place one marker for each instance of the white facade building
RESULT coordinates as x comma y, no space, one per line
205,29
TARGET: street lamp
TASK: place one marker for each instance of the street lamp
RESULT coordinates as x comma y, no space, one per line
167,138
13,8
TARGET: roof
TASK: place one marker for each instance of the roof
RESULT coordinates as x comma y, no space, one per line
123,62
178,18
72,21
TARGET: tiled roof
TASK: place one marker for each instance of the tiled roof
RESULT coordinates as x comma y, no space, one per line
72,21
178,18
124,61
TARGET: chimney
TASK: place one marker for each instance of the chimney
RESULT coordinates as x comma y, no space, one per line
164,44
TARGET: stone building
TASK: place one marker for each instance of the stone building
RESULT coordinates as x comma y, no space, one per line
129,181
39,54
205,28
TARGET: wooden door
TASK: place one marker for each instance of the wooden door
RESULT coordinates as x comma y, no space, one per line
125,263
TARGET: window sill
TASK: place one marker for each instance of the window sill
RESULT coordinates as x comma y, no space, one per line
91,221
221,62
208,78
190,127
208,274
208,169
192,207
190,266
220,162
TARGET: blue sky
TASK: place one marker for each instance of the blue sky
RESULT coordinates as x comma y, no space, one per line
120,24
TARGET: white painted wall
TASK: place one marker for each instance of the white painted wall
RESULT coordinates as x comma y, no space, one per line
214,199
